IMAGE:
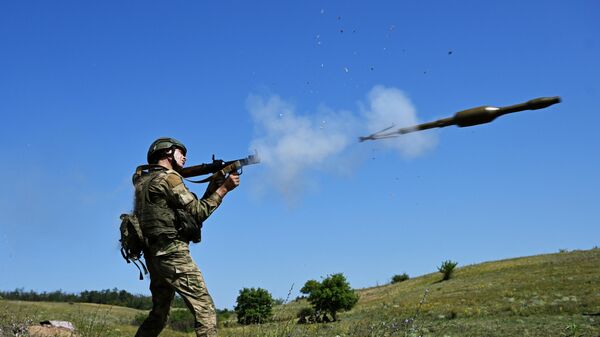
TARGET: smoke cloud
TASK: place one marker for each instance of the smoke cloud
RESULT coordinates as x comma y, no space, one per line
291,145
391,106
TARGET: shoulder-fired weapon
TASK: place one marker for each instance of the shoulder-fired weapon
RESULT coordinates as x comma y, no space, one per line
218,166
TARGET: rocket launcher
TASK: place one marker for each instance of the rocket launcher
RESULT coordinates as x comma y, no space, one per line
217,167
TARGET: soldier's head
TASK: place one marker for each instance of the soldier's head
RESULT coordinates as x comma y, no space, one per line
169,149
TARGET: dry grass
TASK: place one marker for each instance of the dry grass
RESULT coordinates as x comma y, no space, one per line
90,320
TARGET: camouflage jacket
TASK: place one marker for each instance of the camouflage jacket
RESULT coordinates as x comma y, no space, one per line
158,192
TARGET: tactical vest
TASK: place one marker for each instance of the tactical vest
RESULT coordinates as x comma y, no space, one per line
155,216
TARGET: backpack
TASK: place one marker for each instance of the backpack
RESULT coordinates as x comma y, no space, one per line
132,241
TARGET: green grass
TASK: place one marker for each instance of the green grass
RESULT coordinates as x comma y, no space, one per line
544,295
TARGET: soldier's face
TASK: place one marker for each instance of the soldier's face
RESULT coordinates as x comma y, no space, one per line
179,157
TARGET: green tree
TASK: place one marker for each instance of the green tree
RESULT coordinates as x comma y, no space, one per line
309,286
254,306
331,295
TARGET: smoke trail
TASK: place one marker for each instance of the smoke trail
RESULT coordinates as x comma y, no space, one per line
390,106
291,146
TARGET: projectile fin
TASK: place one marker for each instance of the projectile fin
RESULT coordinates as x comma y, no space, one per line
377,135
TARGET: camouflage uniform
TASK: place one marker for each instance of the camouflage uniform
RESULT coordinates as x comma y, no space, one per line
158,192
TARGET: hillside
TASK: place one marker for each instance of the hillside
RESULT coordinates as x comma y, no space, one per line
543,295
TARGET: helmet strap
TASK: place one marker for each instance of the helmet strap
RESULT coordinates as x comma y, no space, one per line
171,157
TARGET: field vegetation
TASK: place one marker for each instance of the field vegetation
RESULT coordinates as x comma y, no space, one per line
545,295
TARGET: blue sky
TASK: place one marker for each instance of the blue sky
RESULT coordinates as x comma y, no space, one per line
87,86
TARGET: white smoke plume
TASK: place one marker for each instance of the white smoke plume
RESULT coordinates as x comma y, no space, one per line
291,146
391,106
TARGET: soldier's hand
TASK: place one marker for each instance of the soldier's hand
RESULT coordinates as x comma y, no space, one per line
216,182
232,181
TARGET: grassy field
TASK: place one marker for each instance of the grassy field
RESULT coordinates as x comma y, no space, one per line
545,295
91,320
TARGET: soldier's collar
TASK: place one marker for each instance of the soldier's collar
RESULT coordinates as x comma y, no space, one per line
174,172
149,168
145,169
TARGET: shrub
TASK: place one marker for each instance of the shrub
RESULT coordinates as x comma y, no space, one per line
399,278
306,315
447,268
181,320
139,318
254,306
223,314
331,295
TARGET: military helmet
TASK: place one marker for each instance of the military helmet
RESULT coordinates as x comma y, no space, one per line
163,144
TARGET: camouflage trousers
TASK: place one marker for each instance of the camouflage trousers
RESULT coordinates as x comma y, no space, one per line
172,270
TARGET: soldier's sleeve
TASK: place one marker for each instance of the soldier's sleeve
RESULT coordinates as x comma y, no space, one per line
179,196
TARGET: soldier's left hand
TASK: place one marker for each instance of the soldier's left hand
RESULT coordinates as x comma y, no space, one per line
232,181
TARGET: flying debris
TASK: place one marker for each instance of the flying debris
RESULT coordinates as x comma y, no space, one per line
469,117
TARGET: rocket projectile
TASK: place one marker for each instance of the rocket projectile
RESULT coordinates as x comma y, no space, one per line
469,117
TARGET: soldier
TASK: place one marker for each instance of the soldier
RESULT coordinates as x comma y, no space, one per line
159,195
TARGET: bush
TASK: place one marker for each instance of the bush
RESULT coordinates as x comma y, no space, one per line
306,315
400,278
254,306
331,295
447,268
224,314
181,320
139,318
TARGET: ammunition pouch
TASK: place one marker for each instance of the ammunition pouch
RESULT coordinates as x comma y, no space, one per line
188,228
